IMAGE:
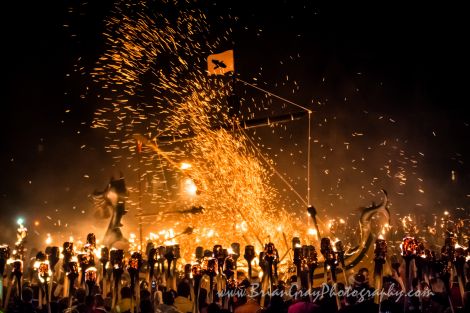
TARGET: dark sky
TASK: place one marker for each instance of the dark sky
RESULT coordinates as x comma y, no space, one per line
409,63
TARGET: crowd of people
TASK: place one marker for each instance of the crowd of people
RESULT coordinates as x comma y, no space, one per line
283,297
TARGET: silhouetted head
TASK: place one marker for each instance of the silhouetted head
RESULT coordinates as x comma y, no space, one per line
126,292
183,289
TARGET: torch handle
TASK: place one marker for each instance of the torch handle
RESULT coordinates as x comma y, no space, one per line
150,279
461,286
169,268
49,286
48,303
311,275
249,271
71,282
10,287
378,274
197,284
407,272
211,287
18,276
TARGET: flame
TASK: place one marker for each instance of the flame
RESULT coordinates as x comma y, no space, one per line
312,231
210,233
185,166
190,187
48,239
97,252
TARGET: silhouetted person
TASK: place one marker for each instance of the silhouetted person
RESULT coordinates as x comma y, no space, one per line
26,305
182,302
125,304
168,303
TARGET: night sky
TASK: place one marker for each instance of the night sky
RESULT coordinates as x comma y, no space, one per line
394,71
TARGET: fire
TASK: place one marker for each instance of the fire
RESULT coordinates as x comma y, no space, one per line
312,231
48,239
185,166
190,187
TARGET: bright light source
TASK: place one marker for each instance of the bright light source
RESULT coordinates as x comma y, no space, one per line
190,187
20,221
312,231
185,166
36,223
48,239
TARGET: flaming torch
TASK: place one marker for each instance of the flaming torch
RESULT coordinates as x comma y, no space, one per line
459,263
4,256
298,257
312,262
196,271
269,260
16,274
161,261
235,252
408,247
330,257
104,259
72,274
447,259
90,279
229,271
116,258
199,254
67,251
249,256
53,258
209,268
133,267
380,252
170,257
44,275
340,255
220,255
152,256
331,263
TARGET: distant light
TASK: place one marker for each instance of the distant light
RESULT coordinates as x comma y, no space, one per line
185,166
446,213
48,239
20,221
36,223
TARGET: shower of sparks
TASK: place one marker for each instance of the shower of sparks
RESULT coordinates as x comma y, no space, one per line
216,169
151,80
